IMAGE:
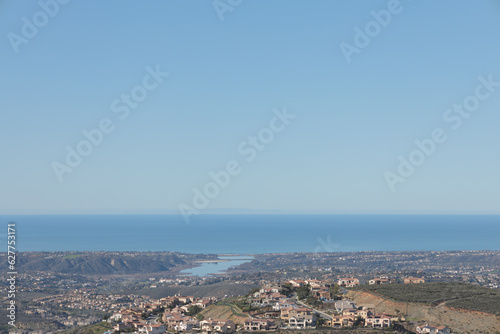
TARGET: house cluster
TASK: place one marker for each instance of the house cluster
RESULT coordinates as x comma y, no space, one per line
351,282
273,295
426,329
267,296
294,304
84,300
297,315
179,322
293,315
318,289
349,315
175,317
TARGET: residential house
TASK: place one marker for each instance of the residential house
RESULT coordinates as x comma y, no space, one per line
341,305
203,303
414,280
321,293
381,280
426,329
153,329
287,313
378,321
348,282
184,325
185,299
314,283
283,304
174,319
218,326
364,313
259,325
349,311
297,283
302,321
341,321
116,317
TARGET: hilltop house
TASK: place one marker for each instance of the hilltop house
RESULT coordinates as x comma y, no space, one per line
414,280
348,282
381,280
433,330
378,321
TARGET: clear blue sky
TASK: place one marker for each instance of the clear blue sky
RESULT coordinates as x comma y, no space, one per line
352,120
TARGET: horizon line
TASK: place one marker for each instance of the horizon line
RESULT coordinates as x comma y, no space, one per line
258,212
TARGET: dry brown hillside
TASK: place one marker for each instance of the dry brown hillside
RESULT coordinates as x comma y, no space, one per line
459,320
223,312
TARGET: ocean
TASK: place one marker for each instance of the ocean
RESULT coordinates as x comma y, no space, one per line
253,234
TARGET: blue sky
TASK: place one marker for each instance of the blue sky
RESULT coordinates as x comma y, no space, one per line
352,119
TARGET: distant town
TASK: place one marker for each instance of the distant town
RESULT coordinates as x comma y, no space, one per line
361,292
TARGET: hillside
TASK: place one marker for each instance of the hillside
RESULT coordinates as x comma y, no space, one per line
224,311
458,295
98,328
105,263
435,303
219,290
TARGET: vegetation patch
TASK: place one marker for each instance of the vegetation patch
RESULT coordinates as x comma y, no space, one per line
71,256
91,329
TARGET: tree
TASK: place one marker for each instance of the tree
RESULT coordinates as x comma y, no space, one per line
303,292
334,290
286,289
194,309
311,300
398,314
159,311
359,321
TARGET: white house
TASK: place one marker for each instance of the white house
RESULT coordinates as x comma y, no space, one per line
153,329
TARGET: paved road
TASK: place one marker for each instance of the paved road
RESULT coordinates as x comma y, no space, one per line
323,314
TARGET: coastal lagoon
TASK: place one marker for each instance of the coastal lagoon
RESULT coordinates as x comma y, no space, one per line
209,268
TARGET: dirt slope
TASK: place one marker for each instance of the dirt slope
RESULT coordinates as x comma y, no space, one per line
222,312
459,320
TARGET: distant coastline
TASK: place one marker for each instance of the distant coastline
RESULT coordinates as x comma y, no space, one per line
232,235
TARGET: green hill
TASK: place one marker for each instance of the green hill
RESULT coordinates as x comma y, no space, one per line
105,263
